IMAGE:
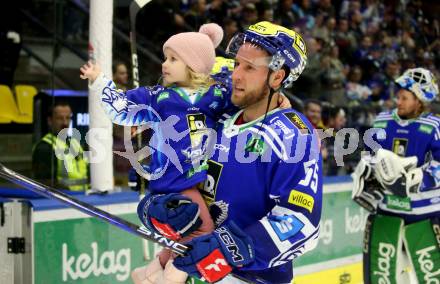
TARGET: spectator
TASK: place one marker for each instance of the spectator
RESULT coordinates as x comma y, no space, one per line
305,14
120,75
230,28
355,91
309,84
345,39
386,84
333,78
249,16
285,13
70,172
196,16
313,112
363,50
334,119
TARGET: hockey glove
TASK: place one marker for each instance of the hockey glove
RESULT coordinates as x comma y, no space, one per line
366,190
396,174
213,256
172,215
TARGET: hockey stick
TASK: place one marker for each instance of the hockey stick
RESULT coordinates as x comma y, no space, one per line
52,193
135,7
90,210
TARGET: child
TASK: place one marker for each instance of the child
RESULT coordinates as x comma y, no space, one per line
189,93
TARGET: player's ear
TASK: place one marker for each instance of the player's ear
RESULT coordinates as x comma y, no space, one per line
276,78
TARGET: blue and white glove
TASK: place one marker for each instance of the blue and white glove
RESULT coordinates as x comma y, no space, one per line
171,215
213,256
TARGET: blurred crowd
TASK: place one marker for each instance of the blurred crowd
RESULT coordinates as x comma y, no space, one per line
355,49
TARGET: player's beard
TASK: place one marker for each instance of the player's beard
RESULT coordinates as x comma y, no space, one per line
409,114
250,98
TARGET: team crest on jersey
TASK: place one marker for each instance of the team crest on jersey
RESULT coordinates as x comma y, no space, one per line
399,146
210,185
298,122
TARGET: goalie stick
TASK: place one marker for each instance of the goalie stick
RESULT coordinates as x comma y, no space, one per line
135,7
89,209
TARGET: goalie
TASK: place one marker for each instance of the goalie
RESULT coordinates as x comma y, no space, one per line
399,185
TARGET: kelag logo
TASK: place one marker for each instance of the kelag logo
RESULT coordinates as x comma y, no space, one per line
84,265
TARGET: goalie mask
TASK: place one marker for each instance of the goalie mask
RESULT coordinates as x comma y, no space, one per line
421,82
286,48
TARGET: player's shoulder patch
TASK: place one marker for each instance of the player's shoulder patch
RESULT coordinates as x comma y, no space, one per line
380,124
156,89
433,117
383,116
298,122
428,123
217,90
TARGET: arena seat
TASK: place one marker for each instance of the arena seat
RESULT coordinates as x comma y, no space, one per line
19,110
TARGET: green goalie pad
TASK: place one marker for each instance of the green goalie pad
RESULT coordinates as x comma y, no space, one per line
422,240
382,243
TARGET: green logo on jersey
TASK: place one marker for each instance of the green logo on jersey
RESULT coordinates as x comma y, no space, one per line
193,171
163,96
255,145
218,93
380,124
425,128
398,203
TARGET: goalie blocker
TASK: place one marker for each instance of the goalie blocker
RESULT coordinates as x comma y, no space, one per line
385,174
386,262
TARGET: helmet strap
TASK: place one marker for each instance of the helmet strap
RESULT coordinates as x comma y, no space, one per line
272,91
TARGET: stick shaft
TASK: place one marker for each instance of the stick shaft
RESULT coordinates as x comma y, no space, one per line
89,209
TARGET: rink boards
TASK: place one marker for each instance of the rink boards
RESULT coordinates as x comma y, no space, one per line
69,247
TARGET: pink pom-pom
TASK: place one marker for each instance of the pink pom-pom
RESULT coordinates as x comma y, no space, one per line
214,31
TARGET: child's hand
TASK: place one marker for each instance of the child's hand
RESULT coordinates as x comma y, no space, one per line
90,71
284,102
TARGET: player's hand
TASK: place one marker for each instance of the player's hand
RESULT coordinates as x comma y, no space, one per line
90,71
172,215
366,190
213,256
284,102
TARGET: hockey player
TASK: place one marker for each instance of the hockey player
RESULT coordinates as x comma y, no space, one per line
264,184
399,185
190,103
189,100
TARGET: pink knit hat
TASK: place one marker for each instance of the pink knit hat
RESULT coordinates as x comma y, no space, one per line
197,49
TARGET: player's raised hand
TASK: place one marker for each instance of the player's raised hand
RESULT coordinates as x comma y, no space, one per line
90,71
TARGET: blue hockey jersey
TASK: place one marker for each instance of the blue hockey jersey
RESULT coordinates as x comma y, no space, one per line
418,137
267,178
181,124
